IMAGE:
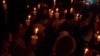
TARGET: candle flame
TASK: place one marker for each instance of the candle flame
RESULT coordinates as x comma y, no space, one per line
36,30
71,10
28,6
34,8
77,14
72,1
57,9
39,6
97,32
3,1
65,11
98,37
86,50
29,16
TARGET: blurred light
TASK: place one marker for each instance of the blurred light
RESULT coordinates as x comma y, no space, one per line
86,50
57,9
65,11
36,30
4,2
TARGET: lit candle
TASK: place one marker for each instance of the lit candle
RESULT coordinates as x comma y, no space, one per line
65,11
71,10
72,1
28,20
57,13
98,37
77,17
4,2
38,6
29,17
51,13
97,32
34,11
54,3
80,16
86,50
36,30
34,39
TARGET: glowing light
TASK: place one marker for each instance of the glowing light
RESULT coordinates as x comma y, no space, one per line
36,30
4,2
86,50
34,8
29,16
97,32
71,10
72,1
39,6
57,9
98,37
65,11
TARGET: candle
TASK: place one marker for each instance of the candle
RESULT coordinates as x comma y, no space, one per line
71,10
34,39
80,16
86,50
57,13
51,13
34,11
28,20
54,3
38,6
77,17
97,32
98,38
72,1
